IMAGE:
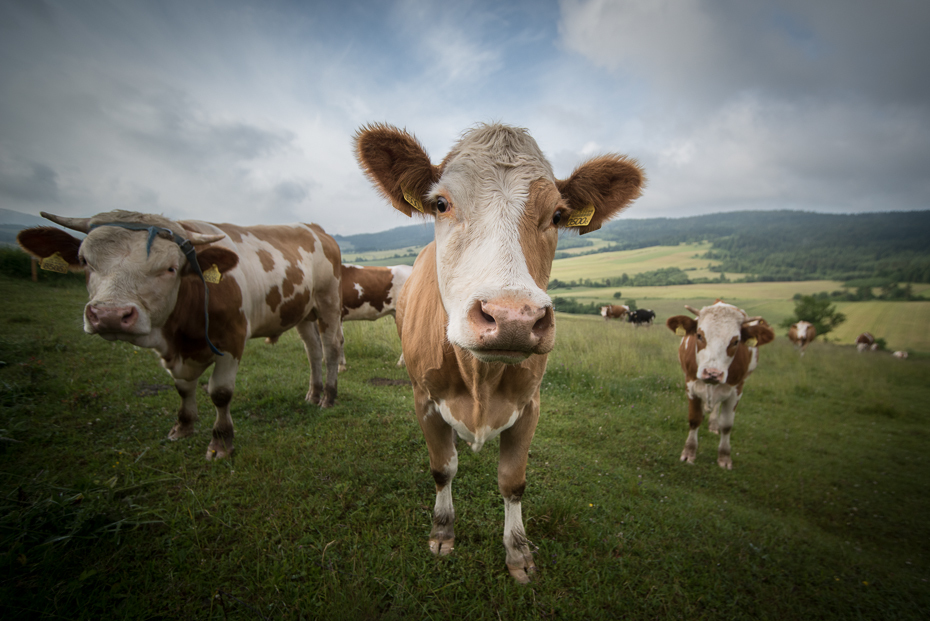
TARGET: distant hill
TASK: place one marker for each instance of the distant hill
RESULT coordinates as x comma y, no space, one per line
12,222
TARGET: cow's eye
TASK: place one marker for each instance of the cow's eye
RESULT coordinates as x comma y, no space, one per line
442,205
700,336
557,217
172,270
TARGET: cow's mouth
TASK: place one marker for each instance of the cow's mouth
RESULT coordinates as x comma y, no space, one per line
507,356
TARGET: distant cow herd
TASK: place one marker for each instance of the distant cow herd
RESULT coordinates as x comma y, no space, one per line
474,319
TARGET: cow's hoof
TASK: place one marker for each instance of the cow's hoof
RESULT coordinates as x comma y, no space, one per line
725,462
342,367
327,402
688,456
180,431
523,574
442,547
314,397
218,453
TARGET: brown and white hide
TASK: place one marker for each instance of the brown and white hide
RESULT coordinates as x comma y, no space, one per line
866,342
614,311
802,334
264,280
718,352
474,318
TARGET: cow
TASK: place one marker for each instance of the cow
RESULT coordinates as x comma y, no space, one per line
369,293
475,322
866,342
641,316
718,351
802,334
147,281
614,311
900,354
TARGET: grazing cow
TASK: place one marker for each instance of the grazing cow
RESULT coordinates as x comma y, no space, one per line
369,293
475,322
718,351
900,354
801,334
866,342
642,316
147,283
614,311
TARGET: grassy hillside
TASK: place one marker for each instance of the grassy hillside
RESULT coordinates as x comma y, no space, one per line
612,264
325,513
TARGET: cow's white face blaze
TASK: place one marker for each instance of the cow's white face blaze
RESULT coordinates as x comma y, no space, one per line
802,329
718,337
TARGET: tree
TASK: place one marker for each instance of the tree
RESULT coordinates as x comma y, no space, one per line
617,295
817,311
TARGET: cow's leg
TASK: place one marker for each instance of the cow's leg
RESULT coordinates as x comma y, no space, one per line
342,354
511,479
221,387
443,464
187,415
330,329
725,425
310,335
713,424
695,416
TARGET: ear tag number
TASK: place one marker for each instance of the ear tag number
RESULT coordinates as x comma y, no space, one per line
752,342
413,201
213,275
54,263
582,217
680,331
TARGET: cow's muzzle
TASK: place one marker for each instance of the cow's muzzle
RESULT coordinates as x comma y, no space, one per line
111,319
712,376
509,330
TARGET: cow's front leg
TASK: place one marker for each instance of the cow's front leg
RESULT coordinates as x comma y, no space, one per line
310,335
725,425
187,414
443,464
221,387
695,416
511,480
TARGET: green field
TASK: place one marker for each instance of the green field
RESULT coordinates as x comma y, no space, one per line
613,264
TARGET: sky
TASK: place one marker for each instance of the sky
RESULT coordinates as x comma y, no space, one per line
244,112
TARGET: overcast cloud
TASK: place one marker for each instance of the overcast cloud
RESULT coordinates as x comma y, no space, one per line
244,112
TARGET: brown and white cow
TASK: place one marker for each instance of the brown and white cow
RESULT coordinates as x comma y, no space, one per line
614,311
474,318
802,334
866,342
369,293
718,351
145,288
900,354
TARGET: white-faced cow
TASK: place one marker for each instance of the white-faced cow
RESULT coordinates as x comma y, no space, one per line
369,293
801,334
147,283
718,351
866,342
474,318
614,311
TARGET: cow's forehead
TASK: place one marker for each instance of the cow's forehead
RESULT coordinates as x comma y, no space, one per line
721,317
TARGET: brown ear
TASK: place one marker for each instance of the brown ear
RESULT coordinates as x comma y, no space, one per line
223,258
682,322
609,183
44,241
397,165
759,331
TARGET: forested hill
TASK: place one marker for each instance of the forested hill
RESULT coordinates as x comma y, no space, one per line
768,245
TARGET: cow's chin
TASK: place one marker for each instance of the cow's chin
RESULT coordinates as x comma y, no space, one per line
506,356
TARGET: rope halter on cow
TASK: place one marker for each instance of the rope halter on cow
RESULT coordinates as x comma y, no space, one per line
187,248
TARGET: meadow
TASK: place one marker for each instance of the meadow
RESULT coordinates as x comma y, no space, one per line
325,513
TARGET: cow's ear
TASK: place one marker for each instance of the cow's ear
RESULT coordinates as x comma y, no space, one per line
223,258
681,325
398,166
760,331
599,189
44,241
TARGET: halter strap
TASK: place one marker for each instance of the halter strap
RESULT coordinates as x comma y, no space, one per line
186,247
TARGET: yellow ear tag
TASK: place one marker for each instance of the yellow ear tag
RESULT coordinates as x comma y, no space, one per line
414,201
752,342
582,217
680,331
213,275
54,263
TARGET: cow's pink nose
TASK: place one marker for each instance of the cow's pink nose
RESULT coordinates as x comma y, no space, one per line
111,318
712,375
515,325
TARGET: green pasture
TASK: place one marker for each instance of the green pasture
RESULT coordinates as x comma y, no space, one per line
324,514
398,256
613,264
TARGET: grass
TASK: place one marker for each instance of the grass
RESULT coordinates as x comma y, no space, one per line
614,264
325,513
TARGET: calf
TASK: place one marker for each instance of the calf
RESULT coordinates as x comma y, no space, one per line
866,342
613,311
718,351
474,319
369,293
642,316
147,279
801,334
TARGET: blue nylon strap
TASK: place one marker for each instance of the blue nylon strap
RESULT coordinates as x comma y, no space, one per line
187,248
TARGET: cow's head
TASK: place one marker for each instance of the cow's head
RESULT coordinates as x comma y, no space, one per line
718,332
802,327
133,276
497,209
